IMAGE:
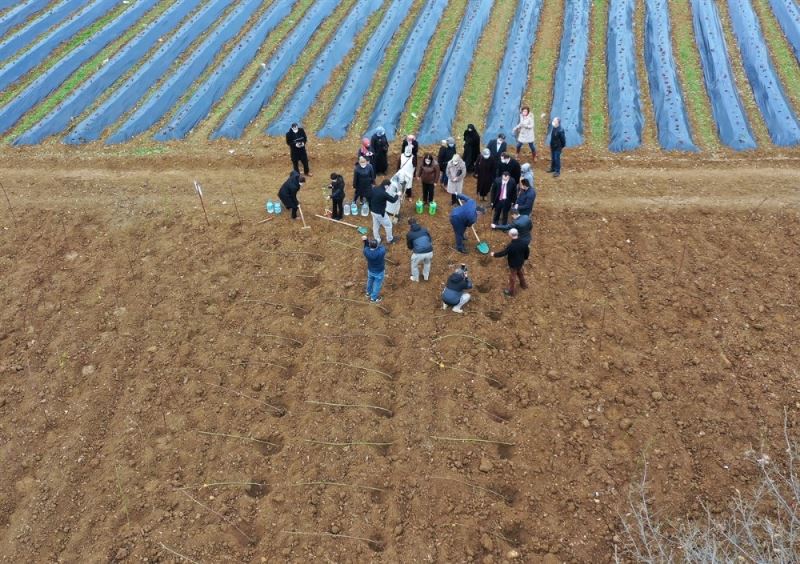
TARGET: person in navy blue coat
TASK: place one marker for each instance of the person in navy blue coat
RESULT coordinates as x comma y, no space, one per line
526,196
463,216
375,253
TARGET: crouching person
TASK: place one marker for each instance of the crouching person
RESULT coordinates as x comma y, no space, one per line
454,294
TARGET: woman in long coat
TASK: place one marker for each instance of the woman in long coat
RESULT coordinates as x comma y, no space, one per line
380,150
456,172
472,147
524,131
485,169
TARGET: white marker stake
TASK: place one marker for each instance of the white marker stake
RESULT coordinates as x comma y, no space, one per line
199,191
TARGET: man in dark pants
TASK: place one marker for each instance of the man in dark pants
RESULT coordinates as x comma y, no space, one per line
296,139
522,223
378,197
289,190
375,254
462,217
497,147
504,195
526,196
337,195
517,252
558,140
510,164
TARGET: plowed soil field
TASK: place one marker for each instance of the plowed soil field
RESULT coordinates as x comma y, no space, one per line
163,381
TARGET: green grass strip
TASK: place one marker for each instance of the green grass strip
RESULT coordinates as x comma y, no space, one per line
423,87
597,102
299,70
539,93
649,139
691,75
782,56
85,71
250,73
60,53
479,88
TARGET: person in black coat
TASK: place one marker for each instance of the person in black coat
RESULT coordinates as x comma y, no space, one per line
485,170
446,152
558,140
289,190
472,147
296,139
380,151
497,146
510,164
337,195
504,195
363,179
517,252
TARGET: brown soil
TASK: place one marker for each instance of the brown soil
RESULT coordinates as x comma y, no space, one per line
661,324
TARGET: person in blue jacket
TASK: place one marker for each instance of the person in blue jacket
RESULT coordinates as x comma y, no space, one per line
376,268
454,294
526,196
522,223
462,217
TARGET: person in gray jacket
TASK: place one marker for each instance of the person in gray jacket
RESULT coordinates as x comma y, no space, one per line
522,223
420,243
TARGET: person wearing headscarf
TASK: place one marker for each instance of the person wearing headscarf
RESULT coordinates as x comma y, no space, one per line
405,170
380,150
485,172
446,152
524,131
428,172
527,173
472,147
365,150
456,173
363,179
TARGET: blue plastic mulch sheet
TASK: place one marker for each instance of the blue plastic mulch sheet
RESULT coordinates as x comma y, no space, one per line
438,121
404,73
568,85
18,15
224,75
669,108
53,77
624,102
787,12
726,105
265,85
359,80
317,77
14,70
504,111
37,26
85,94
779,116
151,71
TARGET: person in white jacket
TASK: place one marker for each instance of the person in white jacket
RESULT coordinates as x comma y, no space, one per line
524,132
456,172
401,182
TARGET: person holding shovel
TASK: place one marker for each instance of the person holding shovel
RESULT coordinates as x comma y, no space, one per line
289,190
462,217
517,252
375,253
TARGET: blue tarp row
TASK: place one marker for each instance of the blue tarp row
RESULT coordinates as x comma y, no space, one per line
14,70
85,94
509,89
273,72
668,105
215,86
438,121
787,12
19,14
134,88
6,4
771,99
53,77
624,103
726,105
359,79
331,57
39,25
170,92
404,74
568,83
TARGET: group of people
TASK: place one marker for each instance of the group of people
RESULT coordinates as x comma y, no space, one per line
503,183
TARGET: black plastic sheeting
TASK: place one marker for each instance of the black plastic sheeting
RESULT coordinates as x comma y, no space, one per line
224,75
726,105
14,70
37,26
359,80
153,69
781,120
53,77
787,13
624,97
83,96
20,14
317,77
398,87
438,121
504,111
170,92
568,85
665,90
265,85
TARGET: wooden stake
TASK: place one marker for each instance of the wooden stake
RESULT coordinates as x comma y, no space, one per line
10,208
236,207
199,191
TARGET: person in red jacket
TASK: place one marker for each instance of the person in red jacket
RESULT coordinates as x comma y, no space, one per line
516,252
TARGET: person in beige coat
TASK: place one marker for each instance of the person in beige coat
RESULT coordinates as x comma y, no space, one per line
524,132
456,172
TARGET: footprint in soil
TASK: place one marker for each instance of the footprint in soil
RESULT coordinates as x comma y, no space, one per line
377,542
384,411
271,445
278,408
514,533
505,451
509,493
494,314
311,283
499,414
377,496
483,288
257,488
496,382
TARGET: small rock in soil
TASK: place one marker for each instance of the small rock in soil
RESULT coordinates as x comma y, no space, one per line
658,396
486,542
552,375
486,465
625,424
88,370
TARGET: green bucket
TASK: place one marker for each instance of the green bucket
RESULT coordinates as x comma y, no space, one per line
432,208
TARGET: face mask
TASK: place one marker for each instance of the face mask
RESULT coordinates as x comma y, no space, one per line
294,129
428,161
362,165
506,161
